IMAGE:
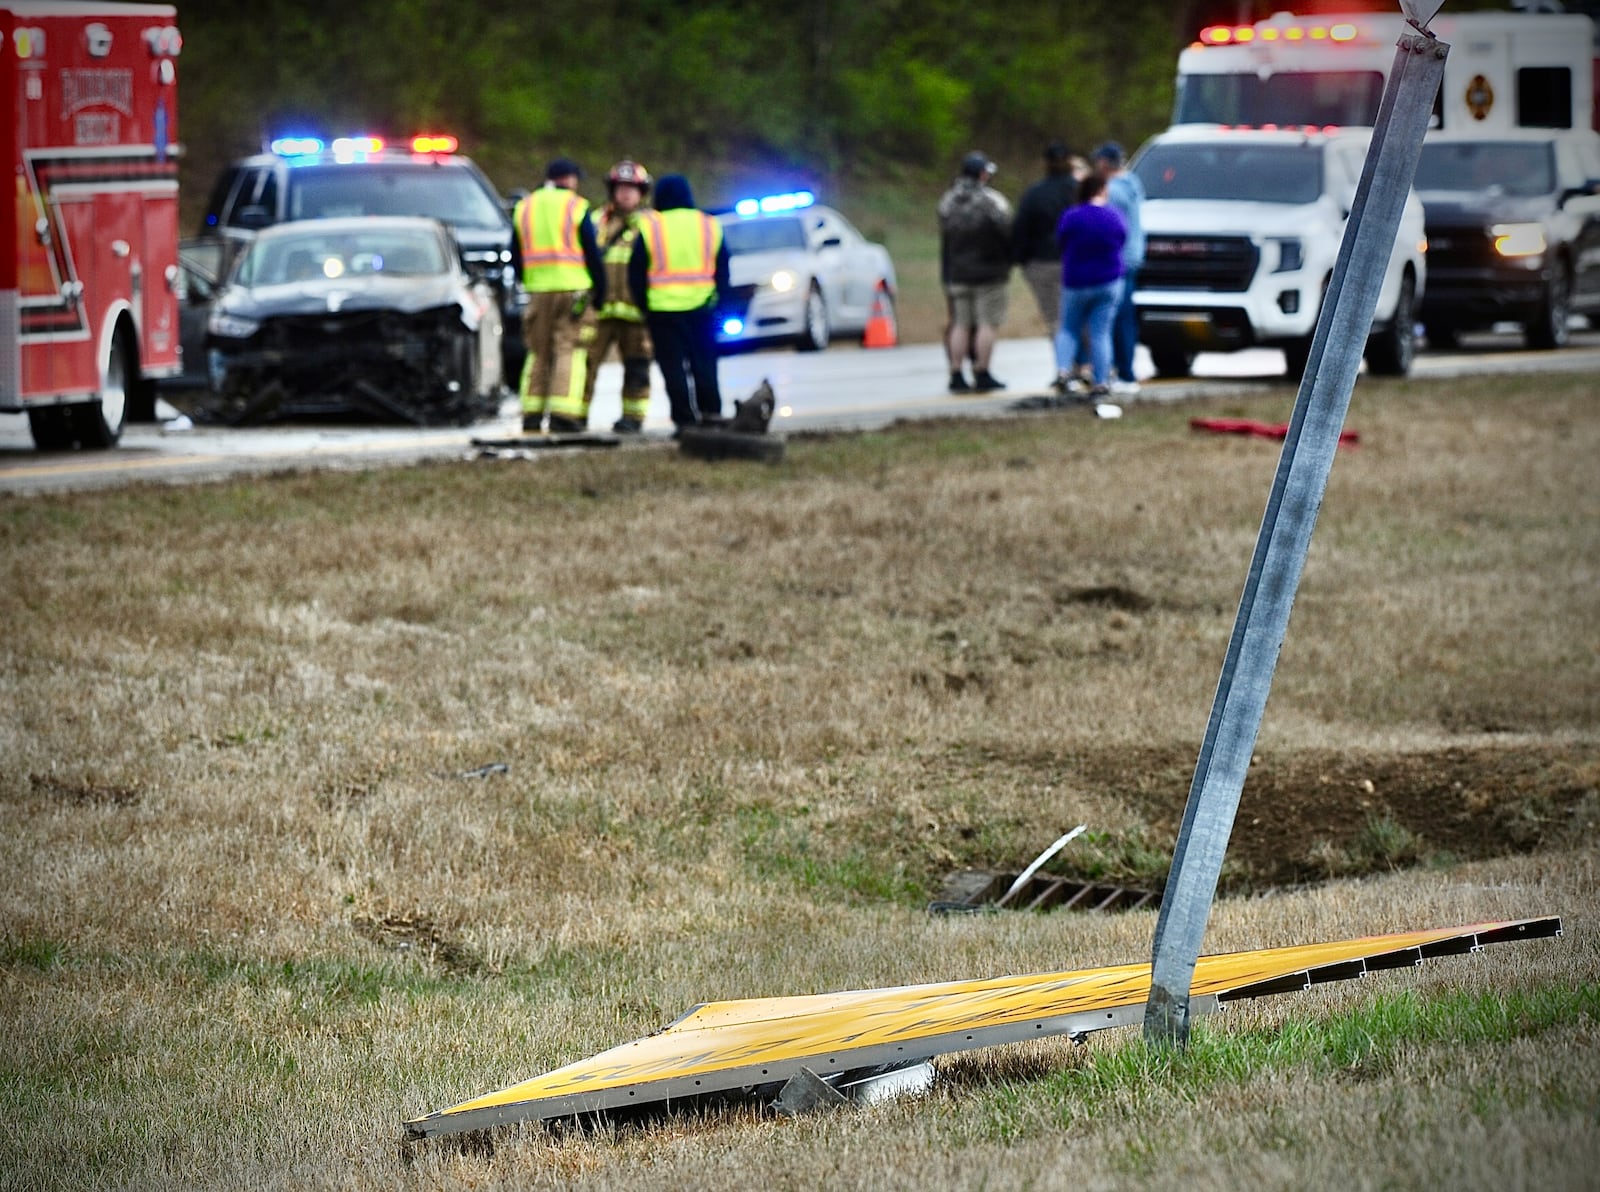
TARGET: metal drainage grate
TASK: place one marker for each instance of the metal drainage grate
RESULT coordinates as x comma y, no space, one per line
978,890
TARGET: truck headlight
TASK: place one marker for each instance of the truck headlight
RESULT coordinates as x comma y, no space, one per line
1291,256
1518,239
782,281
225,325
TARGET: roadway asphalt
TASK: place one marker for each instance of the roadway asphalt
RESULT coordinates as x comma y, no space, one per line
845,387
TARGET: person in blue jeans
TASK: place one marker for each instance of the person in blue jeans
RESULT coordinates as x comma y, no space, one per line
1125,195
1091,236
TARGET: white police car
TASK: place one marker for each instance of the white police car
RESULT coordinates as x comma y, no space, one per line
801,272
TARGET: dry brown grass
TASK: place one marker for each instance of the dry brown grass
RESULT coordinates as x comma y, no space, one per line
750,716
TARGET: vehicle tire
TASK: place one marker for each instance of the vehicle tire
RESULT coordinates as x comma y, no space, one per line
52,429
98,424
1391,350
1171,362
814,336
1548,328
1296,355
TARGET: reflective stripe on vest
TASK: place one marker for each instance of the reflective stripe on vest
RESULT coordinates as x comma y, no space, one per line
547,226
618,252
683,258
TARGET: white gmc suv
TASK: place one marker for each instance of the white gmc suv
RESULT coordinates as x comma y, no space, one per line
1243,227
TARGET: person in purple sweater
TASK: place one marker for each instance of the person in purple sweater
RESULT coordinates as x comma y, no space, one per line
1090,236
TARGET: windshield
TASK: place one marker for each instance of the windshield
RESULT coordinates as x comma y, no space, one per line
1343,97
325,255
1218,170
762,235
452,195
1487,167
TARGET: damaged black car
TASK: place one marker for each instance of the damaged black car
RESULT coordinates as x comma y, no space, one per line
372,316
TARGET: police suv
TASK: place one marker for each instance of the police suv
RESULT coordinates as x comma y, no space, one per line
307,177
1243,227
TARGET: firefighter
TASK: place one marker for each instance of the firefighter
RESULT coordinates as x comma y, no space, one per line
564,276
621,322
678,271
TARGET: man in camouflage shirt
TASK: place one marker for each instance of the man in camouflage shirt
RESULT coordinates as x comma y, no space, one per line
975,270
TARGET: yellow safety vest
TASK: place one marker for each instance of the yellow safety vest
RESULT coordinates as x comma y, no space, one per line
683,258
617,234
547,226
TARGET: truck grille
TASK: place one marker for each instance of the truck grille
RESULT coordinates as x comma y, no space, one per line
1198,263
1461,248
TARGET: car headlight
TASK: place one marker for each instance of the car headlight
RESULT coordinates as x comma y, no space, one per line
1518,239
782,281
225,325
1291,256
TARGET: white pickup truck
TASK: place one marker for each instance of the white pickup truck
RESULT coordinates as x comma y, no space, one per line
1243,227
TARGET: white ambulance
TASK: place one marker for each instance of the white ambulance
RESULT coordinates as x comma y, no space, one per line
1506,70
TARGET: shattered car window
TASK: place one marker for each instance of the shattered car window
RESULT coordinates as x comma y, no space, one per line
288,259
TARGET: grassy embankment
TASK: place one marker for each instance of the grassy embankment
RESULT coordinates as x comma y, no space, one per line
751,716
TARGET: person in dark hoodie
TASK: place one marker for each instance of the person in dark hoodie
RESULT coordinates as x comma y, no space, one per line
1033,232
678,273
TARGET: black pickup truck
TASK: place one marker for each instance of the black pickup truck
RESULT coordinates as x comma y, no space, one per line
1513,224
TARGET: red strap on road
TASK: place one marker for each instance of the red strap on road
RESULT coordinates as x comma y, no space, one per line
1266,430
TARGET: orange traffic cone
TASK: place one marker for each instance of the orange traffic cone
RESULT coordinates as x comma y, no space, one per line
881,331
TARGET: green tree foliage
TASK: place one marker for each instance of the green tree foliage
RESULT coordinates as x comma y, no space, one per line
825,89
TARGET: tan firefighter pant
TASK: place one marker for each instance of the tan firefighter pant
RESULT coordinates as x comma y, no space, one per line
555,372
633,346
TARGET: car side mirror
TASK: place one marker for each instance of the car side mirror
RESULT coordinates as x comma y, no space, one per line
254,217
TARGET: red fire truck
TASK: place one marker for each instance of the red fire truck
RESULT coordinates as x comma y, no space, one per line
89,277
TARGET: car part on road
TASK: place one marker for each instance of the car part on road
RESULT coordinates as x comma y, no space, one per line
526,445
744,436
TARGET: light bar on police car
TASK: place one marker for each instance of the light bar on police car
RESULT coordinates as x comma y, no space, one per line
434,143
297,146
768,204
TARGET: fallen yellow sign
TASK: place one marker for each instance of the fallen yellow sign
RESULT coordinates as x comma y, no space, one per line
755,1046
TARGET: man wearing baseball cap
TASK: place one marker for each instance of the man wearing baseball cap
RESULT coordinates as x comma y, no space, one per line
564,276
975,269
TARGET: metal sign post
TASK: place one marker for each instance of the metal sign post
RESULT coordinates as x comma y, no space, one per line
1291,514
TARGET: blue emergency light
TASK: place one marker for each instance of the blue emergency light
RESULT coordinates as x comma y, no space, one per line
768,204
296,146
732,326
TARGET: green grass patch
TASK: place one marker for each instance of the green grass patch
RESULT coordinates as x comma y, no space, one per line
1370,1042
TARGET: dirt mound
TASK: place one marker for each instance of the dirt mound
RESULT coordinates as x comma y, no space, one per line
1311,815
